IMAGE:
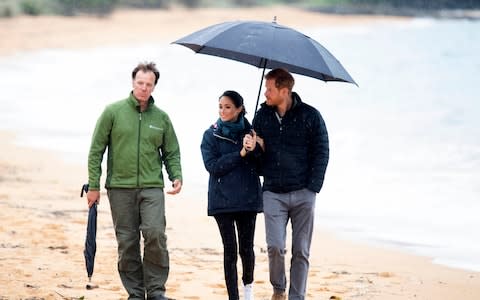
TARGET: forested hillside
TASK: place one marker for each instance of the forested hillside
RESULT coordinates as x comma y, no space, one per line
11,8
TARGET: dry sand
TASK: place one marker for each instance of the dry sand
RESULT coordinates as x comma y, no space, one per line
43,220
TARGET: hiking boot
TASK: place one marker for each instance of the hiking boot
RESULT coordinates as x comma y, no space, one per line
248,292
279,296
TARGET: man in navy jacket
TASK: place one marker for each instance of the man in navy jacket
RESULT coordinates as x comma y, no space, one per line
295,158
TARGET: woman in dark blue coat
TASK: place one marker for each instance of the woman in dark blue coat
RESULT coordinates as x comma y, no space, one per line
234,190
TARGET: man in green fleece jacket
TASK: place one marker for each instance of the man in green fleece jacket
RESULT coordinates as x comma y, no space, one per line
140,139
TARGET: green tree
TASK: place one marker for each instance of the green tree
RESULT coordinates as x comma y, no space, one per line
97,7
31,7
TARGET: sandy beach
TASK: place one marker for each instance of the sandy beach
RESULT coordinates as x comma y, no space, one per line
43,219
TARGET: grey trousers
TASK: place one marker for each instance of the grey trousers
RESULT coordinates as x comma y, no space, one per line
299,208
136,211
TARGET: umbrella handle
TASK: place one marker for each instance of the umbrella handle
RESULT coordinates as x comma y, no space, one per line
84,188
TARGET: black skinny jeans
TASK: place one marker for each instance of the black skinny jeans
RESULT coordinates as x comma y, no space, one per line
245,222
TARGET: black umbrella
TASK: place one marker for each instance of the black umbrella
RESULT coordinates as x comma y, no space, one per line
90,240
267,45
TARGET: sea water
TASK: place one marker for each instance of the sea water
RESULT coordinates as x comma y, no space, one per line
404,169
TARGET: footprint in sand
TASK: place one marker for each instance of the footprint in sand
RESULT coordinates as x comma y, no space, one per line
220,292
331,276
31,286
210,251
173,287
386,274
113,288
79,222
313,274
217,286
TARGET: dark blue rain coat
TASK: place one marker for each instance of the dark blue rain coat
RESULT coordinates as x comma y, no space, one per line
234,185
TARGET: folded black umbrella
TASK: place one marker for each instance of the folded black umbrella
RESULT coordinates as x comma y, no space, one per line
90,239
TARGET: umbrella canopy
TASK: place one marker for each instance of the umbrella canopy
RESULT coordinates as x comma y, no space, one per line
90,240
267,45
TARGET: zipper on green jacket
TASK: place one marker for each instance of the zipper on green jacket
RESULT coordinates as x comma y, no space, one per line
138,147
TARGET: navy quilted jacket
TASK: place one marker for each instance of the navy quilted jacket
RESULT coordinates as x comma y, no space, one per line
296,147
234,184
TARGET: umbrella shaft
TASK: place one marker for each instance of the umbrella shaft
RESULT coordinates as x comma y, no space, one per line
260,87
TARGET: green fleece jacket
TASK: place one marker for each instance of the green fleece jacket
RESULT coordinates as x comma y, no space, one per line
138,143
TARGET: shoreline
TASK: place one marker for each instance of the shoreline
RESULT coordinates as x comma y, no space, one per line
412,12
43,220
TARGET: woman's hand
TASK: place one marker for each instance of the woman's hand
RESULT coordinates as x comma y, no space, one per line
250,141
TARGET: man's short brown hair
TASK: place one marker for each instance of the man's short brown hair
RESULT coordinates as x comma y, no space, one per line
146,67
283,78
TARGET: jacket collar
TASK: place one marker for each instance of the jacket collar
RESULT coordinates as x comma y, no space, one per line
296,101
134,103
